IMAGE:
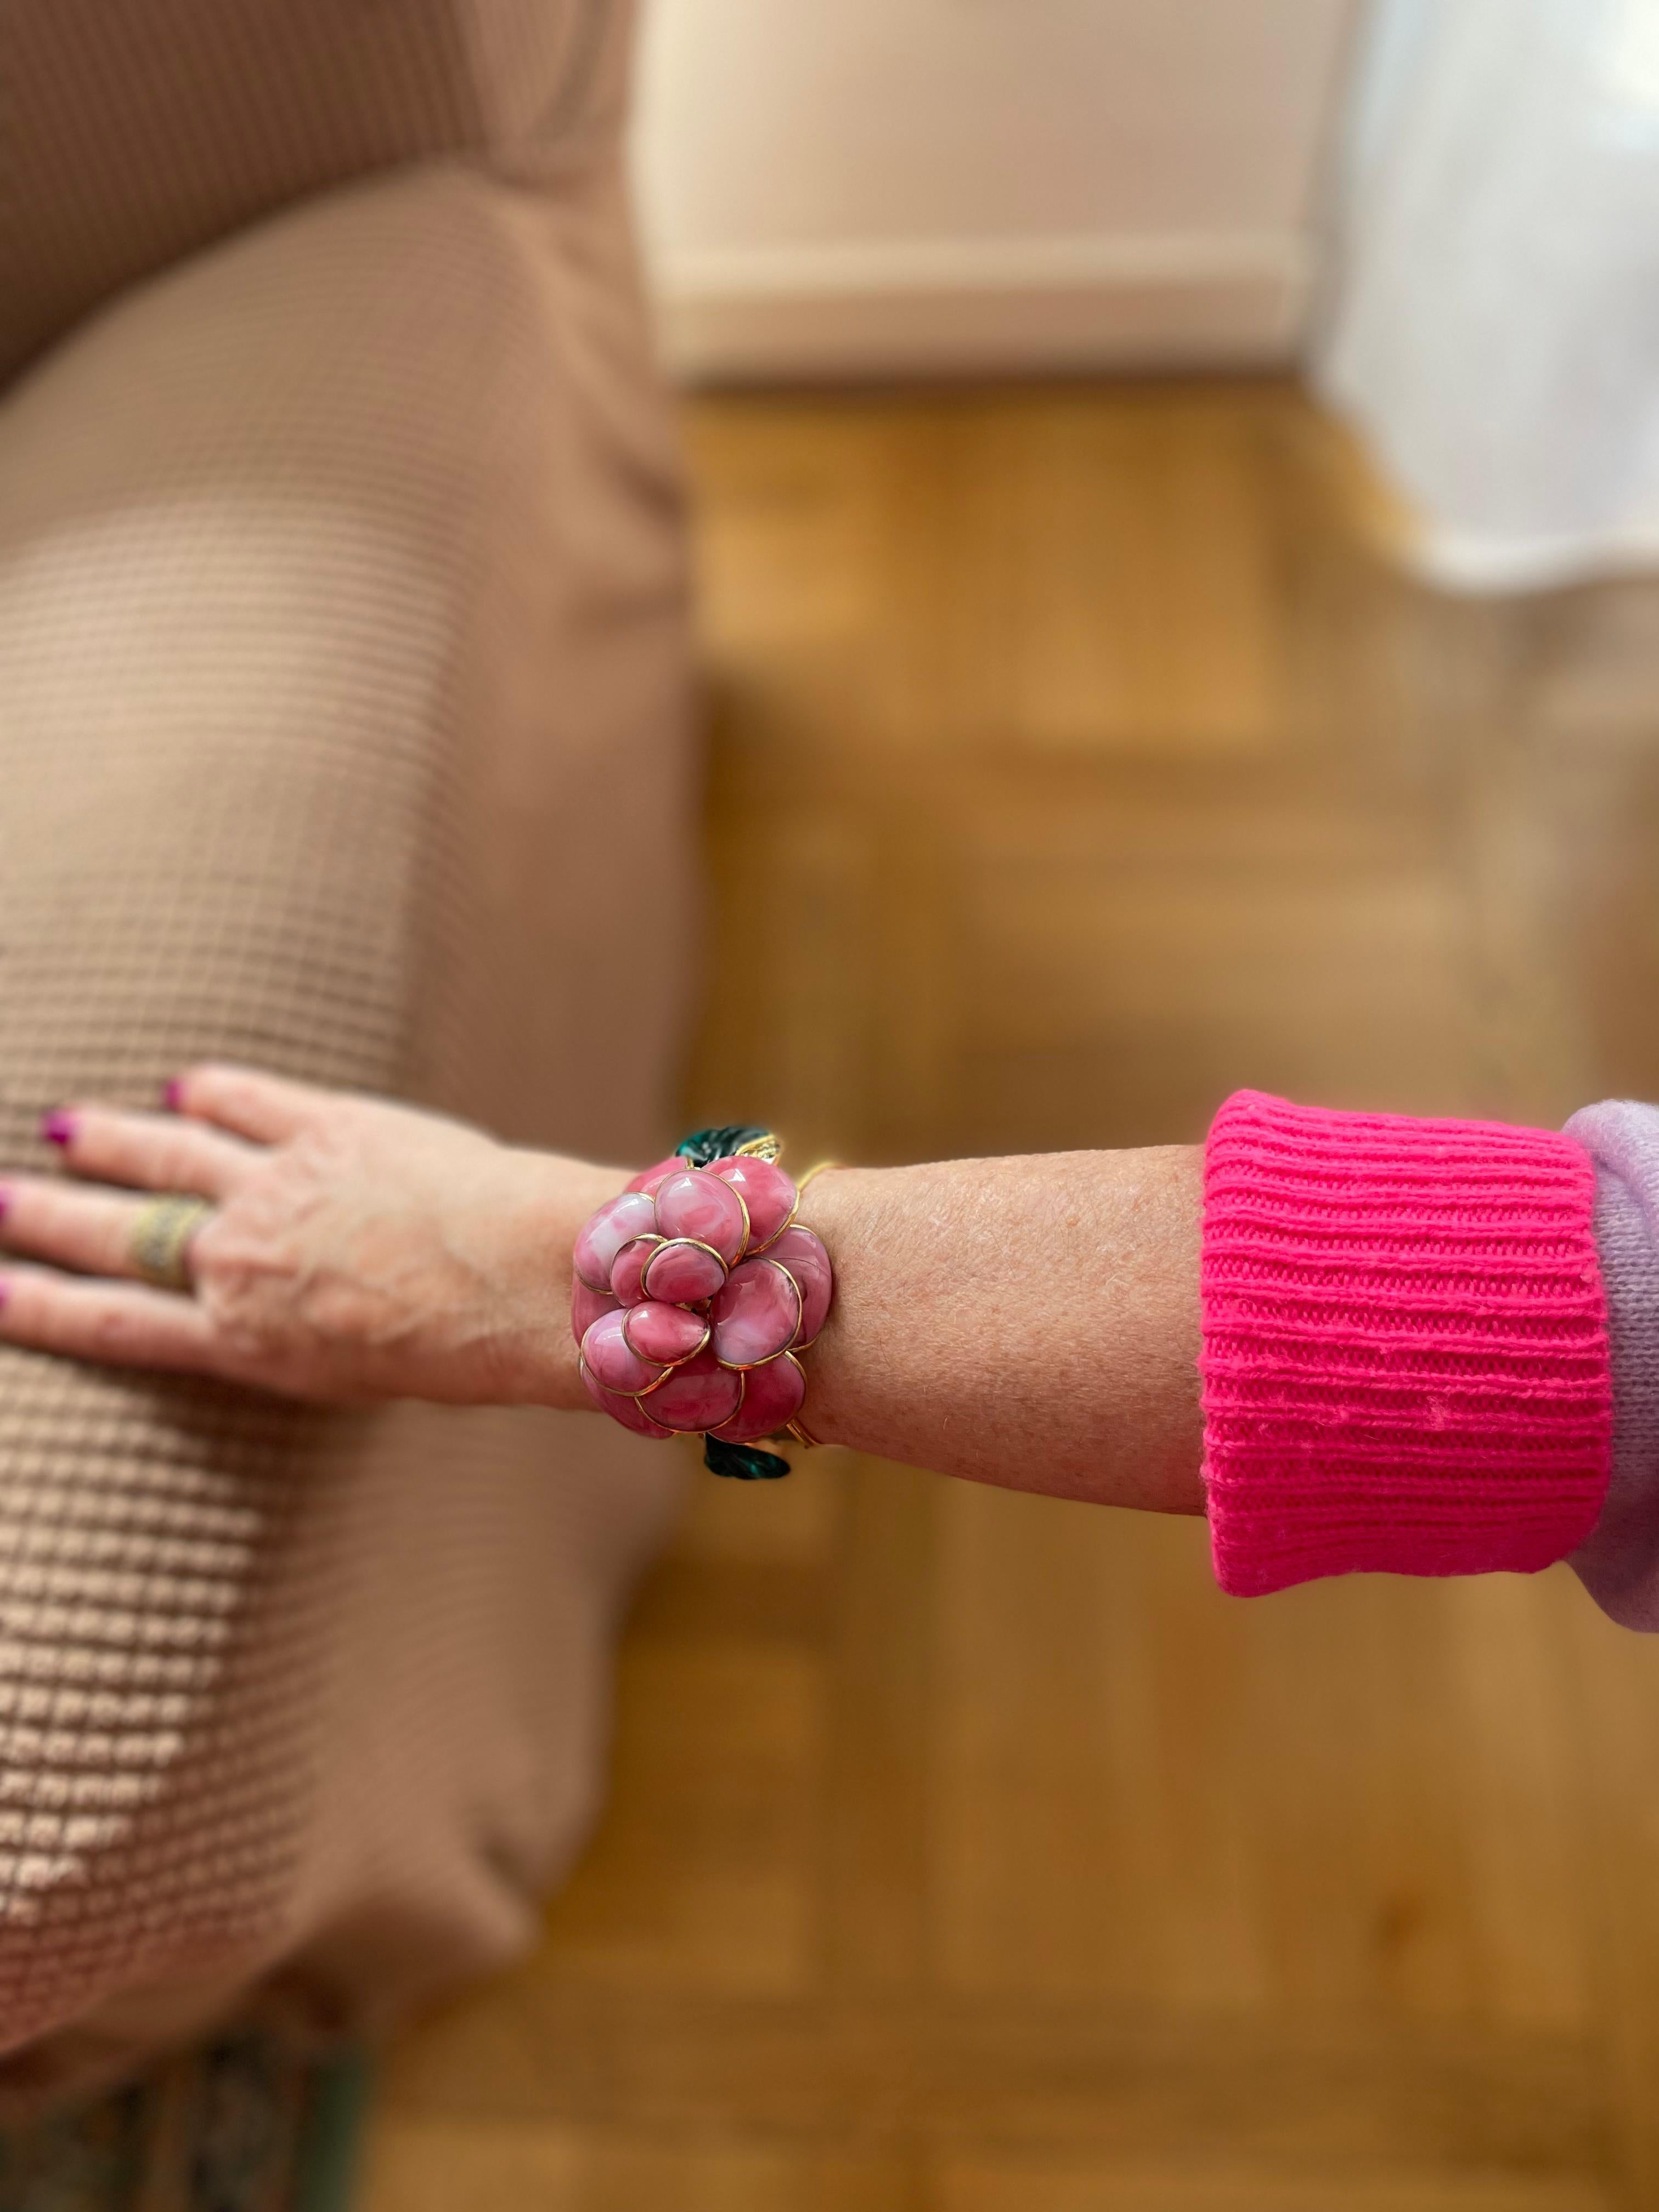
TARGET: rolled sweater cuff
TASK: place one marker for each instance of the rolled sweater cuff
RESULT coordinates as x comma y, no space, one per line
1405,1345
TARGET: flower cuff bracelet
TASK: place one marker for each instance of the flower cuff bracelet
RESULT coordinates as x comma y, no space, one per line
696,1291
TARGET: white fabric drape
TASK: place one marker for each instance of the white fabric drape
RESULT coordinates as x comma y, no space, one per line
1492,319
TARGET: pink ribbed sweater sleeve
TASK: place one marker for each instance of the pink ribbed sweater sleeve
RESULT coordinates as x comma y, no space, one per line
1405,1360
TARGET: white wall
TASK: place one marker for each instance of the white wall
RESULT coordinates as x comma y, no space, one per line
872,186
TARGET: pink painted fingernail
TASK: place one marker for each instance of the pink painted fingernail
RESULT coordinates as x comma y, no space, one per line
57,1127
173,1097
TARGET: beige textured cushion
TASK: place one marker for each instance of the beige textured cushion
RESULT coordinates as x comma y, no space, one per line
341,596
135,131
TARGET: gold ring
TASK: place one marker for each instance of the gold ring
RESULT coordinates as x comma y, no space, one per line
162,1233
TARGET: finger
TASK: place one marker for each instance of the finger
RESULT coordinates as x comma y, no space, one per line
266,1108
71,1225
149,1152
115,1323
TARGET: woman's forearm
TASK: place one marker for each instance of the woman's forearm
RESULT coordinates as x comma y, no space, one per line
1028,1322
1031,1322
1404,1327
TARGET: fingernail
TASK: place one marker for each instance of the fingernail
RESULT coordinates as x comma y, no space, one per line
173,1097
5,1201
57,1127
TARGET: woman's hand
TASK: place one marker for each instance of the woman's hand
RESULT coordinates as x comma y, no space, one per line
355,1249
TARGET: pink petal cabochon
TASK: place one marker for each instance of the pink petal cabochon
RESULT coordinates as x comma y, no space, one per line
772,1396
611,1360
699,1206
682,1274
586,1307
650,1180
803,1254
629,1214
628,1270
699,1395
768,1193
629,1410
663,1332
756,1316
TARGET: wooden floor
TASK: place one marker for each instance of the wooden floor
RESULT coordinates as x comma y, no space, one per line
1074,764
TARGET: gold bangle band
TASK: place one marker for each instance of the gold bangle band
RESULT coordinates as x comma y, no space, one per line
823,1167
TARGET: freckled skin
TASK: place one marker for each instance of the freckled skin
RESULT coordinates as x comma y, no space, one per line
1029,1322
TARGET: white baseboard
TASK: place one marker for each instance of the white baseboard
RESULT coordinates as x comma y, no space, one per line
973,306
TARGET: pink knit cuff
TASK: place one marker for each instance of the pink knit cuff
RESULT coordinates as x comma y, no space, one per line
1405,1360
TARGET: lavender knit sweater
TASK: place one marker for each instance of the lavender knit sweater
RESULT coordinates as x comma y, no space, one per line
1619,1563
